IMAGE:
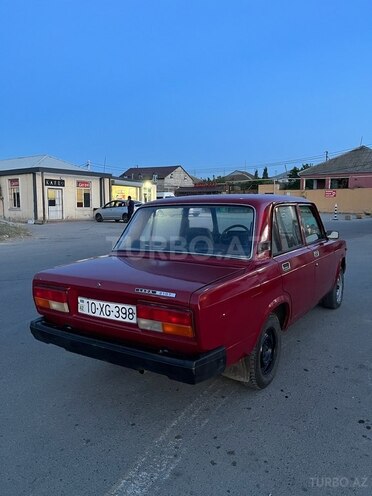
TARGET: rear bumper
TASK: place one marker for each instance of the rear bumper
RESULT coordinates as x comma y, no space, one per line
190,370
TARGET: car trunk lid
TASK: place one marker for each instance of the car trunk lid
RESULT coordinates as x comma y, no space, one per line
132,281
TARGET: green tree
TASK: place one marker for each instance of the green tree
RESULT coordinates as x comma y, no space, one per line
265,174
256,174
294,181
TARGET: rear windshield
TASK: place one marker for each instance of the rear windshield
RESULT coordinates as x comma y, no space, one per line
224,231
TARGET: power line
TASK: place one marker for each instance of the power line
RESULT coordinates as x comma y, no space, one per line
228,168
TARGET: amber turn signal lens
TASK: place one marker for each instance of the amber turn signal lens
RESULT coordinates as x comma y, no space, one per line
51,299
176,322
178,330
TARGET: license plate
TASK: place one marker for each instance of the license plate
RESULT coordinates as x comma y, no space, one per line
108,310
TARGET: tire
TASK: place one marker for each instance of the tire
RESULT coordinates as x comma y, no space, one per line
124,217
264,359
98,217
334,298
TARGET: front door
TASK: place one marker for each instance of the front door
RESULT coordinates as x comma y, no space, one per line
55,204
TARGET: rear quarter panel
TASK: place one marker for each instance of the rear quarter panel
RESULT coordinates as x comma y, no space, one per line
232,313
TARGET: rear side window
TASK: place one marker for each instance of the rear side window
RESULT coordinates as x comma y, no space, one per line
286,232
310,224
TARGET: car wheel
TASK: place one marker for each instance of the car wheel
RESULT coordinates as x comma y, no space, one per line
264,359
98,217
334,298
124,217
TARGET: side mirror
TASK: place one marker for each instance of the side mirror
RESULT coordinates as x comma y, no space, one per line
333,234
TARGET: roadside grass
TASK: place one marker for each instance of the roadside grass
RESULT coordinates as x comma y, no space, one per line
8,230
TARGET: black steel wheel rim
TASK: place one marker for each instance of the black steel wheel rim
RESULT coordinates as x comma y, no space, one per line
268,352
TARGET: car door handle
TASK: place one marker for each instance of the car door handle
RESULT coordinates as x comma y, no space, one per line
316,253
286,266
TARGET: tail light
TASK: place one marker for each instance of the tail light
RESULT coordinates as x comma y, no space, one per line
50,299
165,320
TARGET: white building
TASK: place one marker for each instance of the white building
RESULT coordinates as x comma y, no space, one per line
42,188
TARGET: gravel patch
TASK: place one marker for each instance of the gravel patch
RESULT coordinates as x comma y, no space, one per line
9,230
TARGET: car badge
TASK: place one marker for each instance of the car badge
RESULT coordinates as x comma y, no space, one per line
155,292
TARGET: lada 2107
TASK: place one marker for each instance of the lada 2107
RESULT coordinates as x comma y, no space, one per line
191,296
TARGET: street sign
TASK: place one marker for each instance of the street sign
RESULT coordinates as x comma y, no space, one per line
330,193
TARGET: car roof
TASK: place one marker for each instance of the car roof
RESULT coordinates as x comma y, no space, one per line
247,199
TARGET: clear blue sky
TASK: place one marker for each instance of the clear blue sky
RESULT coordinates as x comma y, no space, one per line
212,85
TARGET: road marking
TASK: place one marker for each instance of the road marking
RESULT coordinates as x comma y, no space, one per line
166,452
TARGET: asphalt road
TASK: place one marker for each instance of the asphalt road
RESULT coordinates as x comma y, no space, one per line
74,426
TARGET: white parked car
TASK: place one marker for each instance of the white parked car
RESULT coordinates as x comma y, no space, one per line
114,210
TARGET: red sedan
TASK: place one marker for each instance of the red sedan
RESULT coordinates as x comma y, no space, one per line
191,296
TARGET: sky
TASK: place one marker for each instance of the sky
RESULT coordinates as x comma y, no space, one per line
212,85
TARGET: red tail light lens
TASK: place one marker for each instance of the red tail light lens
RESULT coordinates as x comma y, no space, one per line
168,321
50,299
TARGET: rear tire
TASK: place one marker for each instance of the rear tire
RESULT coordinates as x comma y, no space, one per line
334,298
98,217
264,359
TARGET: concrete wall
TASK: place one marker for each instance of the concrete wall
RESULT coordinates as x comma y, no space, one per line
353,201
25,211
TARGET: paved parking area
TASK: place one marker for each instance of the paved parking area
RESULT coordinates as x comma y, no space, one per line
73,426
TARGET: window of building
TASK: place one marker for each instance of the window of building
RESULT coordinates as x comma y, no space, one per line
340,183
14,194
319,184
83,194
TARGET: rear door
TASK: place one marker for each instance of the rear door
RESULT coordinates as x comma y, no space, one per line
295,260
321,249
119,210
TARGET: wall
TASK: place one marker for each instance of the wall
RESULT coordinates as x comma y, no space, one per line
179,179
360,181
25,212
353,201
70,209
69,192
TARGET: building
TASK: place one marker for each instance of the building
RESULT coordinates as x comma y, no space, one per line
42,188
138,190
347,171
209,188
238,176
166,179
341,184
